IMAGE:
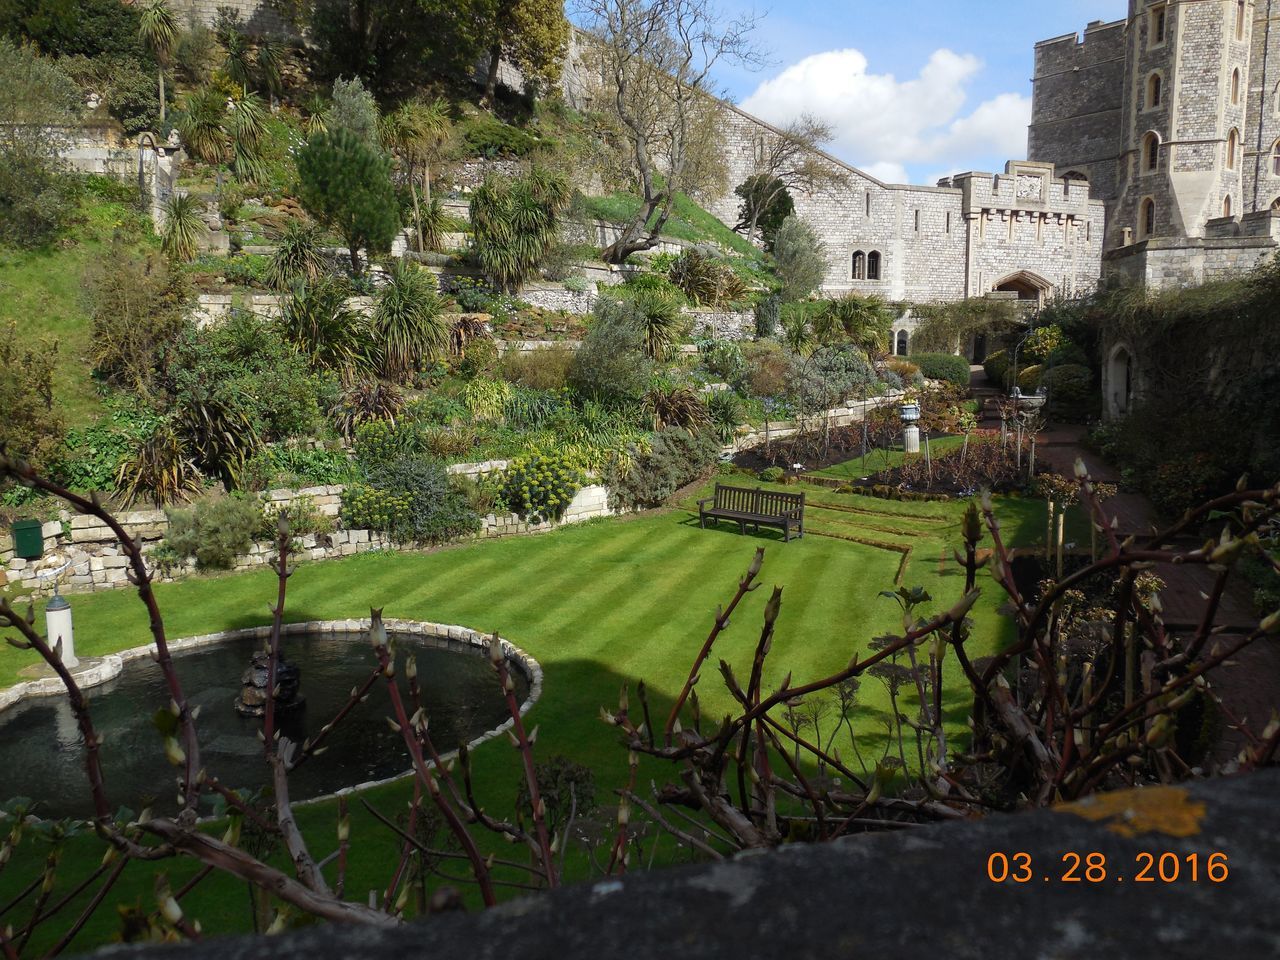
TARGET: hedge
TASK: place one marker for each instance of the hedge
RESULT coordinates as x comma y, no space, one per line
943,366
1071,393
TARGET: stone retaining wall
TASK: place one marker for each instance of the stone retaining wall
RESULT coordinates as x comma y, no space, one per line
854,412
96,561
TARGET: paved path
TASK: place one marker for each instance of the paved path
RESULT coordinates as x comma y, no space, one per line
1250,683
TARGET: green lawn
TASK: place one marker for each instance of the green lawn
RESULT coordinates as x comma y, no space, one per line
43,291
600,605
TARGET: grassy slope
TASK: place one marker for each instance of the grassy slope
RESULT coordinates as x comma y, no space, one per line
599,605
42,290
688,221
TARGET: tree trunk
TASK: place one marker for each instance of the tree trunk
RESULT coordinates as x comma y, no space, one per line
353,247
417,215
638,236
491,81
162,113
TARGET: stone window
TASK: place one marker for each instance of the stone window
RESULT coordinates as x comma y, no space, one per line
873,265
1233,148
868,203
759,147
1150,153
1226,206
1239,19
859,266
917,221
1235,86
1159,23
1275,159
1155,88
948,221
1147,219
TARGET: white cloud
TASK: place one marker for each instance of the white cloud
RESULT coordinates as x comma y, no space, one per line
883,125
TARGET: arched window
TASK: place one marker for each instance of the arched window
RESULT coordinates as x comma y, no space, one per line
1239,19
1147,219
1275,205
1155,85
1150,152
1226,206
902,343
1275,159
873,265
1233,148
1159,21
1235,86
859,266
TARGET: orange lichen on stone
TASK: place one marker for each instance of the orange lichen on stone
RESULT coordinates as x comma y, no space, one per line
1167,810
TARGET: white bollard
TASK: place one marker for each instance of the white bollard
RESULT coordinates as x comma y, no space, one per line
58,626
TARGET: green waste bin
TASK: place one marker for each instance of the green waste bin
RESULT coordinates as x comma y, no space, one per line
28,541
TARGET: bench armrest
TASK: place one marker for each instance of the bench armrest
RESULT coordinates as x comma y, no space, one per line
703,502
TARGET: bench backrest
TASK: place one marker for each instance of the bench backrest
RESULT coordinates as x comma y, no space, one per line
768,503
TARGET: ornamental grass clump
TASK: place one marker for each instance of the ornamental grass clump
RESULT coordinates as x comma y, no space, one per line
540,486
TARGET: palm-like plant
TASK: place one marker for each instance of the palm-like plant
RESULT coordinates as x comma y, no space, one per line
183,227
416,131
239,61
515,223
661,320
270,64
299,258
316,319
677,407
317,117
203,126
865,321
364,401
159,470
408,321
247,128
706,280
159,34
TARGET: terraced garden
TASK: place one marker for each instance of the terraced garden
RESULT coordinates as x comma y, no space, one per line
602,605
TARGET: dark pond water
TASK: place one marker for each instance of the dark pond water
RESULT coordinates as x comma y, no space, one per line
42,755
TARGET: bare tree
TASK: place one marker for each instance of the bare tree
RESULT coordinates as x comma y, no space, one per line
790,162
656,62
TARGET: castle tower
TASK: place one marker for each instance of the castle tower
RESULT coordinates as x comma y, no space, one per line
1184,133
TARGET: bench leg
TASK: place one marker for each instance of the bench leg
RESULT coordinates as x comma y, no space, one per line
742,528
786,531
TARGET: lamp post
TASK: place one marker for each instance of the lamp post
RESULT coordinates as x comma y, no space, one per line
910,432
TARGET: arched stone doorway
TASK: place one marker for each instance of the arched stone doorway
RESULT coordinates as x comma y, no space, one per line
1030,287
1119,381
903,339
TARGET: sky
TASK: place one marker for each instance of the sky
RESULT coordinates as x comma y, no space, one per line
914,90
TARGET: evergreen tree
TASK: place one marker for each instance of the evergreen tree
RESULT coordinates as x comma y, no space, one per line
346,185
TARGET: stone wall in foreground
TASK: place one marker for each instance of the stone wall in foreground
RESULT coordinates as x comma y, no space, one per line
96,561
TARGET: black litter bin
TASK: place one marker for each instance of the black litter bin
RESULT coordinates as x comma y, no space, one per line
28,541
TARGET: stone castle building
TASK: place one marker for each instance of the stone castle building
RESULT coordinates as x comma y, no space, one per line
1172,115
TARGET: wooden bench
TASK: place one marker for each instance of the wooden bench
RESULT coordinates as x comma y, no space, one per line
769,508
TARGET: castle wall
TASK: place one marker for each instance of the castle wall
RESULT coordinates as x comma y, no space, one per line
1077,102
1262,127
260,17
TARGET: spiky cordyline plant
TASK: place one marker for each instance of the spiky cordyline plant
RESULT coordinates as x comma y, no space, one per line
316,319
203,126
158,32
515,223
408,321
677,407
183,227
159,470
299,257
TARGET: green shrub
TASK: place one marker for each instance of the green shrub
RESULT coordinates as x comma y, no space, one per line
305,519
30,427
381,441
943,366
93,454
829,377
1029,378
1041,342
768,315
410,499
726,412
648,478
996,367
772,474
541,486
611,366
1071,392
285,465
652,282
538,369
214,533
485,136
767,370
724,358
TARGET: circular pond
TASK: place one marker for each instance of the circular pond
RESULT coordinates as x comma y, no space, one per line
42,753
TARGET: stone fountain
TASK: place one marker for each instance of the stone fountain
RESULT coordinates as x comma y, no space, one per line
252,701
